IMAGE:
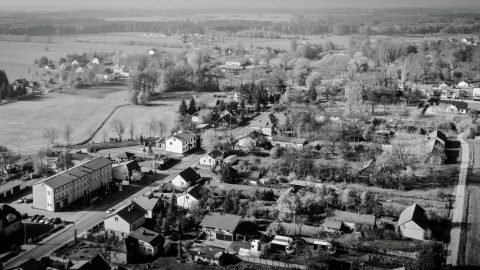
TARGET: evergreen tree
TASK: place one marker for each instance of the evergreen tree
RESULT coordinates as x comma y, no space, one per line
228,174
192,107
312,94
183,110
4,85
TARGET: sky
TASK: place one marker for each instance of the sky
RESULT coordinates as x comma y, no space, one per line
222,4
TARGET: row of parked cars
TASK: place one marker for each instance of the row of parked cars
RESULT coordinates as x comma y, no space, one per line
45,220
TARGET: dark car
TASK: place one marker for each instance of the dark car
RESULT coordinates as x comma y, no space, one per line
33,217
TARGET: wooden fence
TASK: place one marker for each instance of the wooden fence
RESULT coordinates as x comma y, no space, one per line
273,263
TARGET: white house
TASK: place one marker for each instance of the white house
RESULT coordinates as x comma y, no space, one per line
150,243
125,220
214,157
197,119
150,205
221,226
96,61
192,196
233,64
181,142
236,97
281,141
120,71
186,178
79,70
79,182
412,222
10,220
75,63
463,84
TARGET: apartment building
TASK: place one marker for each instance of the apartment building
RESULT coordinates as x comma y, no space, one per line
79,182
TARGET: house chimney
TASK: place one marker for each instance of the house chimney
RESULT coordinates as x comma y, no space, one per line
144,232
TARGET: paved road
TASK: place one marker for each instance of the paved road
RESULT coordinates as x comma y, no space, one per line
92,218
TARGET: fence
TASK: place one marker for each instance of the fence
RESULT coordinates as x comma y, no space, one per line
273,263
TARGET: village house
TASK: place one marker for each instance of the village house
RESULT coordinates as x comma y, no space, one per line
281,141
230,160
452,106
120,72
221,226
269,124
435,152
413,223
186,178
125,156
150,204
463,84
351,220
125,220
227,120
206,254
196,118
252,138
123,171
147,242
10,220
191,196
79,182
437,134
181,142
96,61
212,158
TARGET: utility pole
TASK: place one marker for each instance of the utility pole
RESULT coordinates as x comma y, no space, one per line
25,232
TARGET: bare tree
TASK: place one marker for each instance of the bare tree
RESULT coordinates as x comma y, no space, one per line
50,134
7,159
118,127
160,126
152,126
67,134
131,129
104,135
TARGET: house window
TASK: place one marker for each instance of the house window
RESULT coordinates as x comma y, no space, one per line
116,218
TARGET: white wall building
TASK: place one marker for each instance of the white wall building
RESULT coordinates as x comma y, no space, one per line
181,142
60,190
186,178
125,220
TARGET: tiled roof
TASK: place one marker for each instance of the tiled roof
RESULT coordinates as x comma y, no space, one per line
190,175
147,203
130,213
146,235
413,213
76,172
221,221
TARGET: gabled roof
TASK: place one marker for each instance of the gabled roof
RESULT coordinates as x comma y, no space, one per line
413,213
190,175
149,236
461,105
267,120
221,221
76,172
148,204
198,191
351,217
228,119
434,144
185,136
9,185
130,213
30,264
216,154
333,224
99,263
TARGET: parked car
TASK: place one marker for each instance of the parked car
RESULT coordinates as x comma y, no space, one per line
34,217
22,200
57,220
28,200
110,210
40,217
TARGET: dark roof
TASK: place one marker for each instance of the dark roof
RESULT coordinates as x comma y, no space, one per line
149,236
9,185
9,215
208,252
127,155
254,175
228,119
434,144
354,218
132,165
198,191
81,156
30,264
413,213
130,213
190,175
438,134
185,135
76,172
216,154
221,221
